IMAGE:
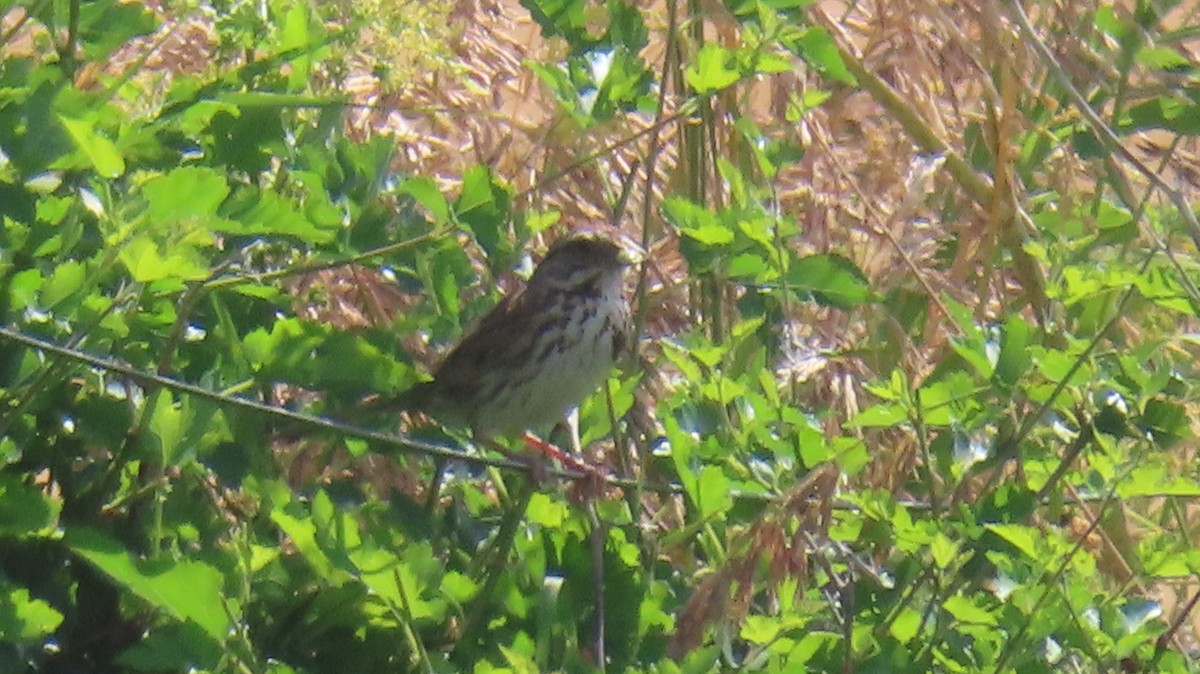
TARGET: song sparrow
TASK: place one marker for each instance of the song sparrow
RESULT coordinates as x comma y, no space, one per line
538,353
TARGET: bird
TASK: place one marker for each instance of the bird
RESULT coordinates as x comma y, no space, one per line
539,352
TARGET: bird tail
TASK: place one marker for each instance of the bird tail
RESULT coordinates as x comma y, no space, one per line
367,411
413,399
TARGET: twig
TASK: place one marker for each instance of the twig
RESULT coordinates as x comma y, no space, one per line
296,270
1160,645
406,619
549,178
399,442
476,619
404,443
1047,583
599,534
1097,125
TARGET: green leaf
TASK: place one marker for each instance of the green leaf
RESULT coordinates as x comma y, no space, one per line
1153,480
25,509
1163,113
972,348
294,36
186,589
316,355
446,284
65,282
767,63
356,446
167,424
751,266
147,264
622,87
263,212
1022,537
420,574
949,400
683,447
458,587
476,189
303,535
831,279
483,205
712,71
812,444
1014,358
546,512
24,619
713,492
696,222
426,192
172,647
540,222
1055,365
879,416
590,26
378,570
905,626
723,390
1162,58
760,629
273,100
1166,421
708,354
710,235
184,195
851,455
106,25
819,49
964,609
99,150
25,287
943,550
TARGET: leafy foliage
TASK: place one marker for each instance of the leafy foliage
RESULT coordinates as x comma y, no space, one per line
1023,503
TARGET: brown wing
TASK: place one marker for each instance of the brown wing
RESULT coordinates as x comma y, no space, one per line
499,339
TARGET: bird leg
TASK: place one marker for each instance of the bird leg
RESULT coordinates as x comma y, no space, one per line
557,454
538,469
571,423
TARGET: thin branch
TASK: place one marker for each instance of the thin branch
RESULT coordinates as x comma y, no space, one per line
548,178
1106,135
296,270
1048,582
407,444
399,442
1160,646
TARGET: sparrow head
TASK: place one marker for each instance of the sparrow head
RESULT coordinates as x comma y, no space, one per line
579,261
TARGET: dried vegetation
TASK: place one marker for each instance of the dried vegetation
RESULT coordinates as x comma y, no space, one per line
874,182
